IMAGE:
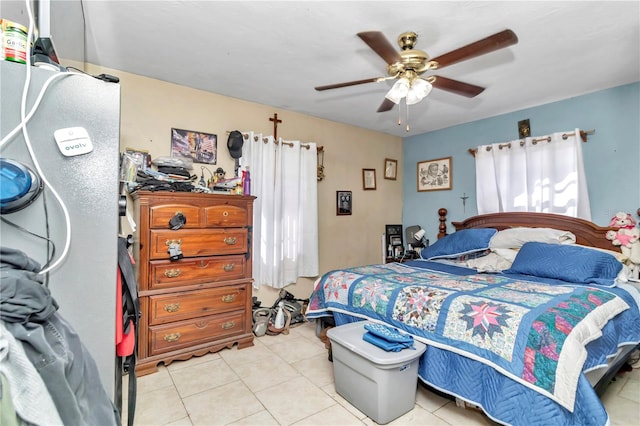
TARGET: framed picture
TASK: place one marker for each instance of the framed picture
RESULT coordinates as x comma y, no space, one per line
434,175
368,179
197,146
343,203
390,169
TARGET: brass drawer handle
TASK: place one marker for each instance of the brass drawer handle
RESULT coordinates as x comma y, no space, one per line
173,337
172,307
230,240
228,298
172,273
225,213
228,325
229,267
169,242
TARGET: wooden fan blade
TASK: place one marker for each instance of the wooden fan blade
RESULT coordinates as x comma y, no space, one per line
457,87
349,83
486,45
379,43
385,106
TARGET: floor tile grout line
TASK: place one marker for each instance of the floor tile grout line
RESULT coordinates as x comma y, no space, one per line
175,386
624,381
250,390
299,373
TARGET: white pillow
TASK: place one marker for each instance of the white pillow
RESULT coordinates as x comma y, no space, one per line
516,237
508,254
496,261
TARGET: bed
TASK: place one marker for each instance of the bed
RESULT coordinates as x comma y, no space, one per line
526,316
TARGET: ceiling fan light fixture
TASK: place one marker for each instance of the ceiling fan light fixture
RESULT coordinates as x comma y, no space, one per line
419,90
399,90
410,63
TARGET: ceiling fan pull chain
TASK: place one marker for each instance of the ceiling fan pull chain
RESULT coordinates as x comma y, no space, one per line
407,116
399,115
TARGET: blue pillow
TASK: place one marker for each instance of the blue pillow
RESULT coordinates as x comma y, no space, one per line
573,264
459,243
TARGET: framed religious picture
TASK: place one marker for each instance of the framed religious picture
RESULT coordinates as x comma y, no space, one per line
524,129
343,203
434,175
390,169
368,179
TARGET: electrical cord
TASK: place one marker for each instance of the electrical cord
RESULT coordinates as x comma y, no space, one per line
51,246
27,141
202,181
24,119
43,90
35,106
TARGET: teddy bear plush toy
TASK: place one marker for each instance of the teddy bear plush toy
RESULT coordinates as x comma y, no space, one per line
627,236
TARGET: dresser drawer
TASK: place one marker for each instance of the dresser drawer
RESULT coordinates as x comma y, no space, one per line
198,242
184,334
159,216
226,215
180,306
167,274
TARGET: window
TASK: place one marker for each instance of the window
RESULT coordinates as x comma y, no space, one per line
543,174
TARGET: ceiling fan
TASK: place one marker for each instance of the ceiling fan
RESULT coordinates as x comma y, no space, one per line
407,65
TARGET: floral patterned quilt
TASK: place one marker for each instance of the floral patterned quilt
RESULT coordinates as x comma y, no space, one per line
532,332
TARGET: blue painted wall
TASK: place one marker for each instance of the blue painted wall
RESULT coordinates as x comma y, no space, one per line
611,155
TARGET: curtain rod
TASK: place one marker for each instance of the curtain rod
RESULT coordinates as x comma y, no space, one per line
583,136
265,140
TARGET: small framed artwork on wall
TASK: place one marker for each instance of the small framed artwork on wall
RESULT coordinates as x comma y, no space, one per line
343,203
368,179
434,175
390,169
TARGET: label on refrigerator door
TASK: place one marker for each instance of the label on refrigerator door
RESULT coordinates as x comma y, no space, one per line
73,141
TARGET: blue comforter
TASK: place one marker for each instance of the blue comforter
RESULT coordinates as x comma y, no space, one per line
500,342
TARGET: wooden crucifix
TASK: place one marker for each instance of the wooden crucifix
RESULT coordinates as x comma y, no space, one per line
464,202
275,125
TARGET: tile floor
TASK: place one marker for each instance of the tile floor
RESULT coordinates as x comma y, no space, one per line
287,380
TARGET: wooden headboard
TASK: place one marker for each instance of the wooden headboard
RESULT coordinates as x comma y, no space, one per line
587,233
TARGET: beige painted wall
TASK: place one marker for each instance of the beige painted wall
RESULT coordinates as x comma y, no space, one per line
150,108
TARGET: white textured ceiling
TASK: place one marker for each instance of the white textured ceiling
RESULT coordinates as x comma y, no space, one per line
274,53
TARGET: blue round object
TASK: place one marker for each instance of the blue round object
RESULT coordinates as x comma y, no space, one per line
19,186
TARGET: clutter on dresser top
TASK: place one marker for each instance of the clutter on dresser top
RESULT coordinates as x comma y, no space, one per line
177,175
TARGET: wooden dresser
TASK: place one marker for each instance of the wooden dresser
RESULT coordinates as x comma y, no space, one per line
201,302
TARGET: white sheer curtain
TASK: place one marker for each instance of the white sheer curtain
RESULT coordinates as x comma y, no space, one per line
541,174
285,212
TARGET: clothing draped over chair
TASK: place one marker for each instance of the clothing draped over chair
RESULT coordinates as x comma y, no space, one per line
285,213
541,174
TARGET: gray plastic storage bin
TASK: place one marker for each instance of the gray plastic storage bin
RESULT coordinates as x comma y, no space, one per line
381,384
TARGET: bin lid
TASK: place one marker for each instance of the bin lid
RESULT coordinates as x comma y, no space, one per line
350,336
